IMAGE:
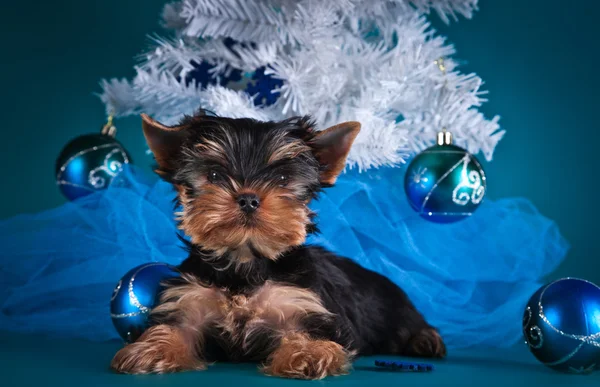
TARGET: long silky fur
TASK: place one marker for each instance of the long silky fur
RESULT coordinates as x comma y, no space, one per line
251,289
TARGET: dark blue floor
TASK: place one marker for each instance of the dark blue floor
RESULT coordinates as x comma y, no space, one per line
30,361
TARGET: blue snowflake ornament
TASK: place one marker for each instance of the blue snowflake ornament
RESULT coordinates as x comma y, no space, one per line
203,75
262,86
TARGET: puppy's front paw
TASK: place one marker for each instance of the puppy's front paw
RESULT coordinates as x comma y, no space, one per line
161,349
299,357
427,343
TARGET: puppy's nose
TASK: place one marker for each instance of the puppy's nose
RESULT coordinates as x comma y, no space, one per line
248,202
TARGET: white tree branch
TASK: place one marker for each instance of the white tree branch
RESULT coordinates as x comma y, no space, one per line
371,61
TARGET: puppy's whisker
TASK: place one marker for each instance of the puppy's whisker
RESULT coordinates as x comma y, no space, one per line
286,197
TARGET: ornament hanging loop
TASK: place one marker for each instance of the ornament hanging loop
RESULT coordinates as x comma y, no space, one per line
109,129
444,137
440,64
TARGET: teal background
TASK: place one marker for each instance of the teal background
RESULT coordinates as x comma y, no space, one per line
538,59
77,363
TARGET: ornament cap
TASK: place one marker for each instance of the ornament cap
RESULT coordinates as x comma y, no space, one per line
109,129
444,137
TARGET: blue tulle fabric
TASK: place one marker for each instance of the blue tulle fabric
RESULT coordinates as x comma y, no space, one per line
471,279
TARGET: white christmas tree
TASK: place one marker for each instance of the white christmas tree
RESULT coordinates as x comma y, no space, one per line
374,61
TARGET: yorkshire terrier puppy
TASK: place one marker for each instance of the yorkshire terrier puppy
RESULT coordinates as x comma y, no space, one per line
251,290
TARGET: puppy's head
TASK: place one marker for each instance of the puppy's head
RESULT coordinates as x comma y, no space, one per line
244,185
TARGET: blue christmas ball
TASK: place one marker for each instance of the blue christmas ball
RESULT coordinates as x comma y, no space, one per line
203,74
561,325
263,87
88,164
444,183
134,297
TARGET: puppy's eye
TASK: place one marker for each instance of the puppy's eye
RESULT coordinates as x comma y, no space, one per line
282,180
215,177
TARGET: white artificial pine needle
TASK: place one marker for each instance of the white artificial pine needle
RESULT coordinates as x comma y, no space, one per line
373,61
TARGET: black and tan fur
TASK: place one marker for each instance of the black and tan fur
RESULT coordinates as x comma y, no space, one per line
251,290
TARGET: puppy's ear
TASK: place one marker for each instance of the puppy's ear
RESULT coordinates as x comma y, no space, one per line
331,147
164,141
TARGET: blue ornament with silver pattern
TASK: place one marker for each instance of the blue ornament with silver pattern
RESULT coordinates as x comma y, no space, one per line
90,162
135,295
445,183
561,325
263,87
